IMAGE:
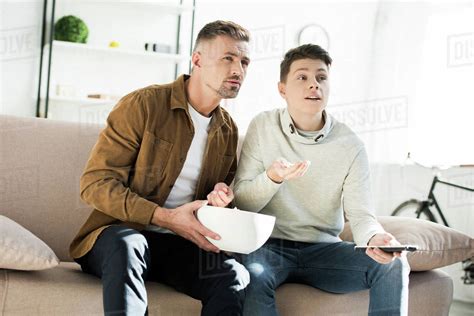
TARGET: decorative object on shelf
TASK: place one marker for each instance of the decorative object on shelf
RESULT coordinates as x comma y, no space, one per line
158,48
65,90
70,28
314,34
114,44
103,96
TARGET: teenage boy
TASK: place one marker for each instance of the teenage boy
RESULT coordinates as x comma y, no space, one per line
307,169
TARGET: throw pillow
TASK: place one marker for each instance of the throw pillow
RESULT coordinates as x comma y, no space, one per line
438,245
21,250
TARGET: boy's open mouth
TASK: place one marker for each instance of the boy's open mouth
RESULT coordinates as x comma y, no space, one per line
314,98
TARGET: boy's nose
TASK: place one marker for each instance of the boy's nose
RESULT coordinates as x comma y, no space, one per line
314,84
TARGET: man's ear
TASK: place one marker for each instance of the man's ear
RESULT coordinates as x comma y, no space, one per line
282,89
196,59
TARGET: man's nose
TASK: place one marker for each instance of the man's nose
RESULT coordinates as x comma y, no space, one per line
237,69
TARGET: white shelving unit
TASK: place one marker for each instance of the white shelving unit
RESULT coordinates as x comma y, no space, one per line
77,70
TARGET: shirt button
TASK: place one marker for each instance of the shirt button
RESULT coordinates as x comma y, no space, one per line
181,160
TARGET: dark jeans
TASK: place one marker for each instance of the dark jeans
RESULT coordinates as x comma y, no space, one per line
332,267
125,258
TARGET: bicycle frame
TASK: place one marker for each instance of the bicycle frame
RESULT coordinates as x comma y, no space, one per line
432,200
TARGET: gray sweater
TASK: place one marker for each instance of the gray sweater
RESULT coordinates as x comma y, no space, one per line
309,208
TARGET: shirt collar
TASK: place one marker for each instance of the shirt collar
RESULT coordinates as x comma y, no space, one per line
178,93
290,130
179,101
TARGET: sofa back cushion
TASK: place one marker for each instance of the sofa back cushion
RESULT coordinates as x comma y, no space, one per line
41,162
438,245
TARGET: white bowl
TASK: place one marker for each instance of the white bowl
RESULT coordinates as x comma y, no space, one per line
240,231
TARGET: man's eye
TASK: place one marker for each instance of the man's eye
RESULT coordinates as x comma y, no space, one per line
228,58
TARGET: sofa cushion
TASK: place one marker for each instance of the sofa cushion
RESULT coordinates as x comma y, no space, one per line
65,290
438,245
430,293
21,250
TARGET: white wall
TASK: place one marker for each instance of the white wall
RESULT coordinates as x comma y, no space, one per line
390,79
346,23
20,38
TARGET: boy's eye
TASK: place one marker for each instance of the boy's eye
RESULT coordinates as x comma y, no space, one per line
301,77
322,78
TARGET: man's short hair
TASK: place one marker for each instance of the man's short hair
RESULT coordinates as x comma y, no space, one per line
213,29
307,51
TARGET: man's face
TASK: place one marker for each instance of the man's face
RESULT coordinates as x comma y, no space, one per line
306,89
223,64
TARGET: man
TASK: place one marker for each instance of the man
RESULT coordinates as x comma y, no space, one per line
167,148
330,175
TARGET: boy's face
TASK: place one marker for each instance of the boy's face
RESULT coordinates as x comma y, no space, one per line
306,89
223,64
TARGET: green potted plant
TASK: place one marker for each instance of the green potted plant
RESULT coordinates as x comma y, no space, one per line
70,28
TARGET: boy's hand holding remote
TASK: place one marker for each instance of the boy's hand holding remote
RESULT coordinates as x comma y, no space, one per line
384,239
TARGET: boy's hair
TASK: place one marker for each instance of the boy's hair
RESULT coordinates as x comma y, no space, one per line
310,51
213,29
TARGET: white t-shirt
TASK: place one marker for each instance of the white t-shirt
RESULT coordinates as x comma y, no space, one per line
185,186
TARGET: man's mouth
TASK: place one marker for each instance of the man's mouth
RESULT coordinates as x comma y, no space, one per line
234,82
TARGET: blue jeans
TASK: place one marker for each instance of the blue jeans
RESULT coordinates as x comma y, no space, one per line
331,267
125,258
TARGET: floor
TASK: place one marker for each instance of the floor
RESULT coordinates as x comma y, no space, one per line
459,308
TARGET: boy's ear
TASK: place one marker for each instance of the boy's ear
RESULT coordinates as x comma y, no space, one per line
196,59
282,89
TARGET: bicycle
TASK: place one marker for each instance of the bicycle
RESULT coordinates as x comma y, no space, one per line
421,209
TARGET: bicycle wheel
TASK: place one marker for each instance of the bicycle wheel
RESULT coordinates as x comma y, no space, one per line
415,209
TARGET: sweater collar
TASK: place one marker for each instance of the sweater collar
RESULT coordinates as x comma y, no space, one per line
290,130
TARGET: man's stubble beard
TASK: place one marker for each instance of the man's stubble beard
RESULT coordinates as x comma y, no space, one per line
227,93
224,92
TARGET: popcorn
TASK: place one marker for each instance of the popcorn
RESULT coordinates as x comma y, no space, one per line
285,162
288,164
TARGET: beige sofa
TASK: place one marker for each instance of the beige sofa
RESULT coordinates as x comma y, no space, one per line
40,165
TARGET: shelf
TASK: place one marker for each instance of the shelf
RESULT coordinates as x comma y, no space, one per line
79,101
116,50
76,109
163,5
